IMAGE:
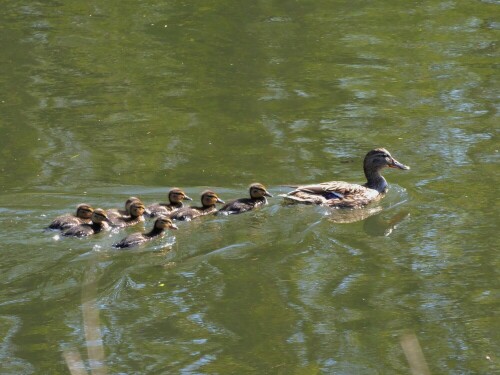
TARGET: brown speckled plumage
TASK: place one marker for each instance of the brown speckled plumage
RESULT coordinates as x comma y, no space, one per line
341,194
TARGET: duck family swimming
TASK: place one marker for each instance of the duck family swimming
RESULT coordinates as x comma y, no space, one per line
335,194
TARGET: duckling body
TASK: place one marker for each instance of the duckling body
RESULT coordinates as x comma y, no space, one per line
100,222
136,210
82,216
114,213
258,194
158,230
175,197
208,201
342,194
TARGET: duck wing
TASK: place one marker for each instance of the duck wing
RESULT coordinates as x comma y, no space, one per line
332,193
130,241
238,206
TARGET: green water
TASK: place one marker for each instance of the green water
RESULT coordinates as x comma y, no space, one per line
103,100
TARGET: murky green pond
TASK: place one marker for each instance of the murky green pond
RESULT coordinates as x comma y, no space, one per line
103,100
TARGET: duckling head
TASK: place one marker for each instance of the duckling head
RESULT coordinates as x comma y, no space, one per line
380,158
164,222
99,216
84,211
137,208
129,201
176,195
258,191
209,198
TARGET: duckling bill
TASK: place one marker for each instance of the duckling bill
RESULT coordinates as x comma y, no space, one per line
158,230
208,201
342,194
258,194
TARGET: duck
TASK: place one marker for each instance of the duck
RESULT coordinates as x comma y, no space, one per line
340,194
100,222
158,230
258,194
175,198
82,216
114,213
136,210
208,202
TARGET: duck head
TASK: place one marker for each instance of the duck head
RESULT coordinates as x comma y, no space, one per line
380,158
129,201
177,195
209,198
84,211
258,191
99,216
164,222
136,209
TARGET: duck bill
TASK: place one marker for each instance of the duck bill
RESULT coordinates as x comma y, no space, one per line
396,164
187,198
220,201
268,194
174,227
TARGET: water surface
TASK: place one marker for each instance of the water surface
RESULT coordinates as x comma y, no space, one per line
104,101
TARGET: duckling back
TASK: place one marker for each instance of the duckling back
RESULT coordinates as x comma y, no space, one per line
258,194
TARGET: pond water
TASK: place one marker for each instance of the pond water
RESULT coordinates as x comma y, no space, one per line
103,100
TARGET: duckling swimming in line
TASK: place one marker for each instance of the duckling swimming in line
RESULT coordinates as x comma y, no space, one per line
114,213
82,216
136,210
341,194
208,201
175,198
258,194
100,222
158,230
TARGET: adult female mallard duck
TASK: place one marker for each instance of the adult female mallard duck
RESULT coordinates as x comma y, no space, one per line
175,198
158,230
258,194
100,222
208,201
82,216
113,213
136,210
346,195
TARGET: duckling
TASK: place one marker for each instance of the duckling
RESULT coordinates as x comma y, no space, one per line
175,197
136,209
341,194
100,222
258,194
82,216
114,213
208,201
158,230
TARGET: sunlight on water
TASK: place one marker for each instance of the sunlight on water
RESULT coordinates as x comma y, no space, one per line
103,102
